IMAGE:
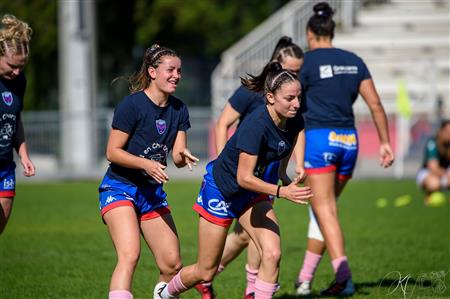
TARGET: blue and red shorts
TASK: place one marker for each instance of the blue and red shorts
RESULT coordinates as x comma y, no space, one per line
328,150
8,180
214,207
149,201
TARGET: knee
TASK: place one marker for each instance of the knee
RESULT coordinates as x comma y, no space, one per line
431,183
206,274
129,257
271,255
171,268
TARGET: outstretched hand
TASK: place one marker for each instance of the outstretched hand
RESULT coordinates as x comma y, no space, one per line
296,194
188,158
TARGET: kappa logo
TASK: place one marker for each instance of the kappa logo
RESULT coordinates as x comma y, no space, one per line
218,206
8,184
161,126
110,199
325,71
281,147
7,98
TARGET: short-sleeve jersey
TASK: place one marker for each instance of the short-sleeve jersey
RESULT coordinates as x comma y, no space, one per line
152,131
258,135
245,101
431,152
330,80
11,104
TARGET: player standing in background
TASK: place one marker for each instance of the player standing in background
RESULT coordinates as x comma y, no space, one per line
332,78
239,106
147,125
233,188
434,176
15,37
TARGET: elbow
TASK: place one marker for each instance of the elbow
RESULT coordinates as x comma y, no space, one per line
109,155
244,180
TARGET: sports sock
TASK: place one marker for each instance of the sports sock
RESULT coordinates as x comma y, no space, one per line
120,294
264,290
251,277
310,264
341,269
175,286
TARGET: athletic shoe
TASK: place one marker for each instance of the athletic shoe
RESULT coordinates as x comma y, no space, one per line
206,291
343,289
159,288
303,288
250,296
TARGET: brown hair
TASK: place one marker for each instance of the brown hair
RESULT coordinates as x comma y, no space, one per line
152,58
15,36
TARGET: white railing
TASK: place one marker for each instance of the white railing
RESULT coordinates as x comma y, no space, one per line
250,53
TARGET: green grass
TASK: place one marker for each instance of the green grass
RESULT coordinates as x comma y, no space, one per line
56,246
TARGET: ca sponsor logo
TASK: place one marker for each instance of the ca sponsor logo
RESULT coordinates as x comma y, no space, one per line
8,184
325,71
218,206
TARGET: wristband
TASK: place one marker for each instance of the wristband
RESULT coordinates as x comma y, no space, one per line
278,191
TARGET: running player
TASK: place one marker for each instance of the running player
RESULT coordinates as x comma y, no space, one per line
233,188
239,106
332,78
15,37
147,125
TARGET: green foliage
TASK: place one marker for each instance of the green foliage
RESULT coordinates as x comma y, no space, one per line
56,245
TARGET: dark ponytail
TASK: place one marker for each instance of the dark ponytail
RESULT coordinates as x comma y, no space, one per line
285,47
270,79
321,23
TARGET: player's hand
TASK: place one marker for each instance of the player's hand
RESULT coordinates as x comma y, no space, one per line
386,155
296,194
156,171
28,167
301,173
188,158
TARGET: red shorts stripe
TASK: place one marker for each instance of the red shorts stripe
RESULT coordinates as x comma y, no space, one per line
344,177
119,203
225,222
9,193
320,170
155,214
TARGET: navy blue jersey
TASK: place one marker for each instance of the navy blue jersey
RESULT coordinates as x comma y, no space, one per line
152,131
257,135
11,104
245,101
330,79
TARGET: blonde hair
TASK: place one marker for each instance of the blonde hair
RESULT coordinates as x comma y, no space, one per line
15,36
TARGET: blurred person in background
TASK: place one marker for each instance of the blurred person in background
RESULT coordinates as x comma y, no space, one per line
15,37
146,126
434,175
331,79
233,186
239,106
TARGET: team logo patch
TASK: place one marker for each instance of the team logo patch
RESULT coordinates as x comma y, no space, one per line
281,147
7,98
161,126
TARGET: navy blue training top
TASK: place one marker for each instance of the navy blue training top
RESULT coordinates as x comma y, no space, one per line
152,131
330,80
11,104
245,101
257,135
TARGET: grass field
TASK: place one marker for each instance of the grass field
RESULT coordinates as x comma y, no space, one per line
56,246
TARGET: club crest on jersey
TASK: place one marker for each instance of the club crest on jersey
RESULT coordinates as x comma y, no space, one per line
161,126
281,147
7,98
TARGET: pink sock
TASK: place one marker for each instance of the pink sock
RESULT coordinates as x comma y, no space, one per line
122,294
175,286
341,269
251,277
220,269
264,290
310,264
